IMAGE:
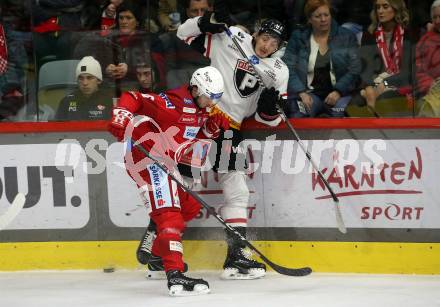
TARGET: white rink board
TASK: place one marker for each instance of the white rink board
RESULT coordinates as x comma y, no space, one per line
59,199
282,193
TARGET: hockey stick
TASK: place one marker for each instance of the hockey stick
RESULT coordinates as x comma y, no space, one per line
13,211
278,268
338,214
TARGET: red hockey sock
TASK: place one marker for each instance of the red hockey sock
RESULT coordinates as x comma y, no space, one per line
168,244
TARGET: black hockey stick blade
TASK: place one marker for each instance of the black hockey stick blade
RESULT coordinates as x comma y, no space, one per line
276,267
286,271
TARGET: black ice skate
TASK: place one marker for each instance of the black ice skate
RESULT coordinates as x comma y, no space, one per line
181,285
143,252
238,263
156,270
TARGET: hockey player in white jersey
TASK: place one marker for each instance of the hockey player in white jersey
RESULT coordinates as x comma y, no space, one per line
243,96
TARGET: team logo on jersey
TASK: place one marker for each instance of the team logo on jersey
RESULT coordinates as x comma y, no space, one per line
168,102
187,101
244,79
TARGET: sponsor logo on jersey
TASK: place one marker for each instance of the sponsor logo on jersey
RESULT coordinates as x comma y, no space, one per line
271,74
168,102
190,132
187,101
95,113
240,34
187,119
72,106
100,107
232,46
189,110
245,81
161,188
254,59
277,64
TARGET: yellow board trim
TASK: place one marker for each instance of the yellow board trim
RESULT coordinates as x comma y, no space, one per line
339,257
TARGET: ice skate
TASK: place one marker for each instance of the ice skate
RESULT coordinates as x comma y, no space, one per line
181,285
238,263
156,270
143,252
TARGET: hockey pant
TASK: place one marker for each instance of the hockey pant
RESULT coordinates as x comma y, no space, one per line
170,208
231,166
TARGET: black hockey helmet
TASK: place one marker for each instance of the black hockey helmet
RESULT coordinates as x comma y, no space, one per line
273,27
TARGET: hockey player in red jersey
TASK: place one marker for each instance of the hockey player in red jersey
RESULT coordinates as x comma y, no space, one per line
168,125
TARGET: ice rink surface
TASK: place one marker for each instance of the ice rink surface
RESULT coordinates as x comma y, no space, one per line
131,289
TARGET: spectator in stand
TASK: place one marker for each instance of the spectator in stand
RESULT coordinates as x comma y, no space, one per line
420,21
386,53
119,53
323,64
171,13
14,59
57,26
181,59
108,17
88,102
428,66
353,15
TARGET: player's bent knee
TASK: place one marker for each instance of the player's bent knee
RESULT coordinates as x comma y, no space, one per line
169,220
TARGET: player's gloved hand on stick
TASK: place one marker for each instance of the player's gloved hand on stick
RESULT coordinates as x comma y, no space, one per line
267,102
120,119
208,24
214,125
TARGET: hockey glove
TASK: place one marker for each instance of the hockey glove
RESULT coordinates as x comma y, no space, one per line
214,125
208,24
221,12
120,119
267,102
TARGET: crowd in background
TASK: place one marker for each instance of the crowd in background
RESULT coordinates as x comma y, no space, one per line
345,57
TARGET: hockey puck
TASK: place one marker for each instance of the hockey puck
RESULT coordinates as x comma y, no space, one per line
108,270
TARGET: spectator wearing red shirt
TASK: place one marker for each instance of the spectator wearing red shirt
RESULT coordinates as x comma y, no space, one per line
428,66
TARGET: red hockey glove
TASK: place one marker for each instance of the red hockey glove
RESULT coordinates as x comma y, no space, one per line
120,119
214,124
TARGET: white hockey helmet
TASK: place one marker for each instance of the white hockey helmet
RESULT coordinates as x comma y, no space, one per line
209,82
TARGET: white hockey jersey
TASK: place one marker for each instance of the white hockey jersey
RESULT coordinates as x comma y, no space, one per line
242,89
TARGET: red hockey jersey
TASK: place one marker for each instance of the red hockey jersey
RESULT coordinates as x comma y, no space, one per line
167,123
